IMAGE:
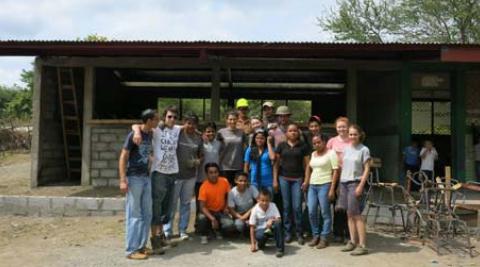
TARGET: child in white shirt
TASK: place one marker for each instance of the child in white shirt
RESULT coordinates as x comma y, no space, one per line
264,220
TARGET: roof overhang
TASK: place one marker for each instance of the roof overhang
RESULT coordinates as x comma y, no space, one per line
368,51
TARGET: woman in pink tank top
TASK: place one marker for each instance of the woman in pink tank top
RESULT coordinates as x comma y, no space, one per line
338,144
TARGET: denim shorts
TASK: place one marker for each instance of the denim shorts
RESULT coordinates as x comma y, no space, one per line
348,201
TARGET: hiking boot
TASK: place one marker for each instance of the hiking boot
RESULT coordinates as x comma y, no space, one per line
349,247
314,241
167,241
360,250
279,253
322,244
137,256
156,242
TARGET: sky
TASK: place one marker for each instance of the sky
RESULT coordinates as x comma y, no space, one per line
212,20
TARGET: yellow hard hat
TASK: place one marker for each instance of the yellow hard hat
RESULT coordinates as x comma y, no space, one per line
242,102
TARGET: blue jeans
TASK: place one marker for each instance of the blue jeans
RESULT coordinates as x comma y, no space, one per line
292,203
138,214
277,235
184,190
318,196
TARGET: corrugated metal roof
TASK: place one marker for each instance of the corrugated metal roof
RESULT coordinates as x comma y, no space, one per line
226,48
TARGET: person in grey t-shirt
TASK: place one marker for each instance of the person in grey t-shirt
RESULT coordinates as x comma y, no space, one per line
355,170
231,159
189,154
241,200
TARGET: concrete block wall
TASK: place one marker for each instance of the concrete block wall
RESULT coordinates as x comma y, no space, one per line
60,206
106,144
52,163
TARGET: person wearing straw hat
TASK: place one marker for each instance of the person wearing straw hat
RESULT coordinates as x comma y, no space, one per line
278,130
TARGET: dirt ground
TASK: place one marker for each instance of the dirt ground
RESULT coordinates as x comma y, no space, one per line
99,241
15,180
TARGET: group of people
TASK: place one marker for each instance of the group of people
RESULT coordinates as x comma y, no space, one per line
251,177
418,160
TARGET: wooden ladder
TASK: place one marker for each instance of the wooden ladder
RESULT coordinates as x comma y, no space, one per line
72,138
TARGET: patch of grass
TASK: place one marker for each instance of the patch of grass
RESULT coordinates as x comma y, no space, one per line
14,157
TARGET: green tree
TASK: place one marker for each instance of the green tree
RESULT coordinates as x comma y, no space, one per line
6,95
93,38
445,21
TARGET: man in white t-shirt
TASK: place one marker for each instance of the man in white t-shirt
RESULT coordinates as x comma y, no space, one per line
164,172
428,154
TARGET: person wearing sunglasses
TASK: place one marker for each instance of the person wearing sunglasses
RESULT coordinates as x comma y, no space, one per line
164,171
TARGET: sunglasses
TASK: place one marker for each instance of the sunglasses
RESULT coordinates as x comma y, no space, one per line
171,117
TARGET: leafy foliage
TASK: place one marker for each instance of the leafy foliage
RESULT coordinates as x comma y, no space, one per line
445,21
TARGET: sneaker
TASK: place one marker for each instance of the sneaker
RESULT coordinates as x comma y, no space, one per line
184,236
301,240
137,256
349,247
288,238
279,253
360,250
314,242
204,240
322,244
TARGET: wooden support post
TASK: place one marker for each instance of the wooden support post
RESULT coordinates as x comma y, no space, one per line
36,146
352,94
448,185
88,98
458,124
215,94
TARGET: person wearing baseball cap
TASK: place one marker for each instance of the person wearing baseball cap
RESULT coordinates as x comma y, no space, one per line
278,130
243,122
267,113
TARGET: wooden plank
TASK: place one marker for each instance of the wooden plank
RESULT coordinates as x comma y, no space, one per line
93,122
224,62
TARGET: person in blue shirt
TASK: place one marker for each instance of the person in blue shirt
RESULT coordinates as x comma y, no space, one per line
135,182
258,161
411,159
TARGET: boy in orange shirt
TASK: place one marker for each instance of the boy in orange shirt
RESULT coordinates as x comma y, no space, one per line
212,197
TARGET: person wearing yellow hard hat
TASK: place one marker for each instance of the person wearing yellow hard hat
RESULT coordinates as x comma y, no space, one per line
243,122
